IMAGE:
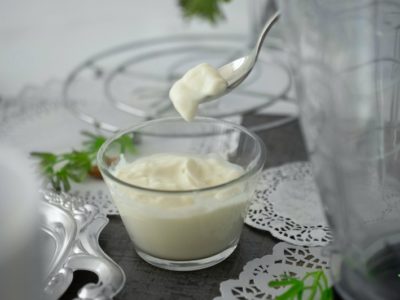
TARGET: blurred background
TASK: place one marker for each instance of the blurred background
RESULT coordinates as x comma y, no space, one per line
44,39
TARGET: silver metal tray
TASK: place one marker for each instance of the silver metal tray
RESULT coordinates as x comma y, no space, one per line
70,229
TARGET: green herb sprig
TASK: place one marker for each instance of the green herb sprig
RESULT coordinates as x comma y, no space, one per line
75,166
313,286
209,10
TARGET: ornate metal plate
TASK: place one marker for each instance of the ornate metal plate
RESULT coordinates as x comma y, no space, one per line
69,232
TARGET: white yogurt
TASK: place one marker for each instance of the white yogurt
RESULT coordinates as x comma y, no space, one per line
179,226
199,84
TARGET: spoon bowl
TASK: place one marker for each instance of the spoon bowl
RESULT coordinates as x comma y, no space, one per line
236,71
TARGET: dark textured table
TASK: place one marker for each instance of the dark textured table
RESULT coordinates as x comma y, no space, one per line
284,144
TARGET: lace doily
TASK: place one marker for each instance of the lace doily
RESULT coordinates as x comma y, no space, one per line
286,259
287,204
95,192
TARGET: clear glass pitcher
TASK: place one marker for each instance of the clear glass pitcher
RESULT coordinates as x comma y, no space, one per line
345,57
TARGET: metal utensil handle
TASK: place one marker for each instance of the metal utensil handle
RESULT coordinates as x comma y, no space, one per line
86,253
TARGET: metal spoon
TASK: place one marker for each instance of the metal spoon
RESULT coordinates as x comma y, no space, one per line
237,71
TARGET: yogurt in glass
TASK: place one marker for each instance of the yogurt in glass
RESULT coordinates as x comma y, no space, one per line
184,195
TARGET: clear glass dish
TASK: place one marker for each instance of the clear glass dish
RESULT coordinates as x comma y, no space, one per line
191,229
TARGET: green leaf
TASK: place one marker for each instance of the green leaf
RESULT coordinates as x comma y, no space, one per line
284,282
324,279
94,142
291,293
46,158
315,285
126,144
61,169
62,177
298,287
55,183
327,294
209,10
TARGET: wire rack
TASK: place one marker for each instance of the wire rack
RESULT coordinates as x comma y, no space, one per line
130,82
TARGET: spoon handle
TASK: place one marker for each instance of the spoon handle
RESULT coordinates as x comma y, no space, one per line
264,32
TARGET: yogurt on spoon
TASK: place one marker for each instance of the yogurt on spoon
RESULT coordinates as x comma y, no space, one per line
200,84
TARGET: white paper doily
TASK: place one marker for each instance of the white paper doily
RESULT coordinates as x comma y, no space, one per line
287,204
286,259
37,120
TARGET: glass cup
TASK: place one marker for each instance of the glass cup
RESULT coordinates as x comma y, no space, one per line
192,229
345,56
